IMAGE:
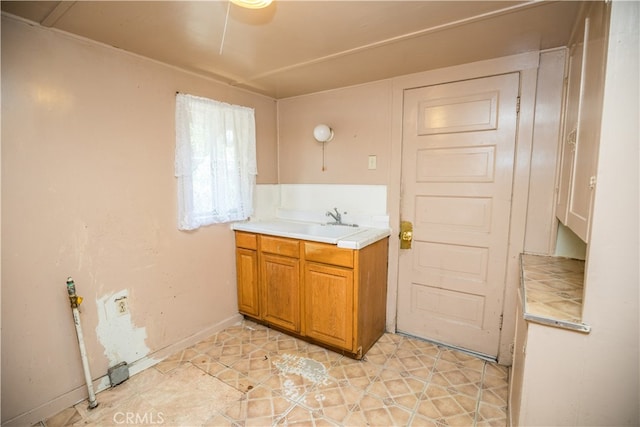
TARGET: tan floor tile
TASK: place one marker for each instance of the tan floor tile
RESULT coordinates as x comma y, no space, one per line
251,375
291,386
229,352
204,345
438,403
236,380
382,350
419,347
406,362
405,391
259,335
381,412
175,360
300,416
285,344
66,417
493,415
358,373
320,354
497,370
208,364
203,394
419,421
224,336
495,396
257,366
461,359
459,373
219,420
239,331
260,406
334,400
495,385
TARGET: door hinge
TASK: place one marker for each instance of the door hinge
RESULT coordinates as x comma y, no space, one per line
501,321
517,105
592,182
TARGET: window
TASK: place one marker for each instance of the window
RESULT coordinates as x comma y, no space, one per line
215,161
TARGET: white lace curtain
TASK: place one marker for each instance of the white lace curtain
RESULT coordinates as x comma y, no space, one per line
215,161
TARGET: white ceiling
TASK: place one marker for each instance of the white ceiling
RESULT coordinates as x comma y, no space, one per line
295,47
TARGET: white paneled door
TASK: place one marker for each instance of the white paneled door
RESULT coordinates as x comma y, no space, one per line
457,171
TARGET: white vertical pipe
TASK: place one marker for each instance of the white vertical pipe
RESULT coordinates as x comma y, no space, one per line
71,288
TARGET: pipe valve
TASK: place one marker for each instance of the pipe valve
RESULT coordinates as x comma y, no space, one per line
74,299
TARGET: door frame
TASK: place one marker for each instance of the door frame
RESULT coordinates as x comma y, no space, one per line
527,65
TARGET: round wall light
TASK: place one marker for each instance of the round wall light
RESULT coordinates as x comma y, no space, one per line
323,133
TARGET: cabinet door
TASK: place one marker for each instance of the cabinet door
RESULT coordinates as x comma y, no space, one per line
329,304
570,131
590,114
280,289
247,270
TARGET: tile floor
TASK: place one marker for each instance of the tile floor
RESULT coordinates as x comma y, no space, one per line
553,287
250,375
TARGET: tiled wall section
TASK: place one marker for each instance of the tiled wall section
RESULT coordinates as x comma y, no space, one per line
365,205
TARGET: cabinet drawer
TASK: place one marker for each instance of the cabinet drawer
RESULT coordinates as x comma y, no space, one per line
280,246
328,254
246,240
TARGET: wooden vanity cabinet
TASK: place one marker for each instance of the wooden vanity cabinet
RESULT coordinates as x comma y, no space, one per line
331,296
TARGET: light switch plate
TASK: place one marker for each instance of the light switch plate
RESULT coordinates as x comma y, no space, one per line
373,160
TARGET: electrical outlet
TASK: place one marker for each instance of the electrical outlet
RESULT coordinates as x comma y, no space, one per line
121,305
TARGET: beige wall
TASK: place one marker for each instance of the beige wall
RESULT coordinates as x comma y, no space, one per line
88,191
377,108
609,362
360,117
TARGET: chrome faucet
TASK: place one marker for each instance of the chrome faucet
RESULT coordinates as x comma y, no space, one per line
337,217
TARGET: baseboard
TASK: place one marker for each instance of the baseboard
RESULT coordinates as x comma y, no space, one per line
79,394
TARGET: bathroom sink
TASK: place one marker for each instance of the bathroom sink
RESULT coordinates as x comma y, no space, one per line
327,233
332,230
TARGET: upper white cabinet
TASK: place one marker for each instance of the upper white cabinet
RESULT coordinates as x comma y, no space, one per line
582,117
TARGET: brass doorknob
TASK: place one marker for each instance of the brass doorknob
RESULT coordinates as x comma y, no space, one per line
406,234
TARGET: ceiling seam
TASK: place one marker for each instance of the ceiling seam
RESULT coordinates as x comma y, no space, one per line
395,39
58,12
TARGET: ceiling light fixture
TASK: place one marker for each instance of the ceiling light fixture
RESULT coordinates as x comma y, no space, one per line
252,4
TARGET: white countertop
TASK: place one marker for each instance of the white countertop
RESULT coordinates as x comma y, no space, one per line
343,236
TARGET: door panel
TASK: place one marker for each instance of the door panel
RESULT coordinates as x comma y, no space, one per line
247,270
453,214
458,158
329,304
462,114
455,164
280,280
